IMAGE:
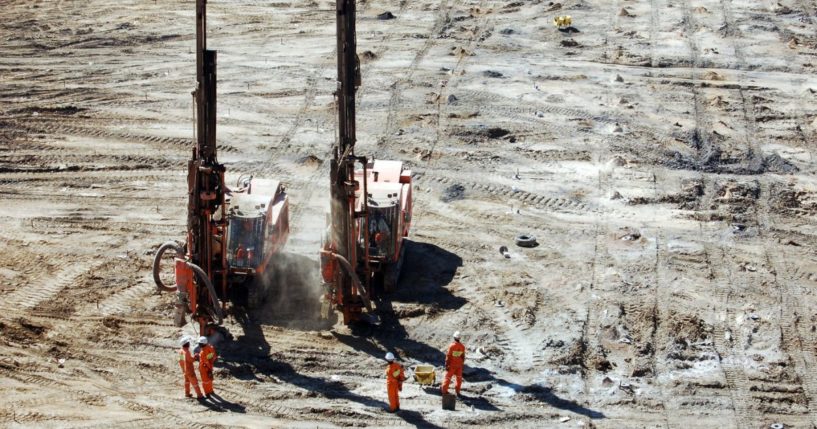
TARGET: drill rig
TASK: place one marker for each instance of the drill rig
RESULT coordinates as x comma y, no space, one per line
231,233
371,200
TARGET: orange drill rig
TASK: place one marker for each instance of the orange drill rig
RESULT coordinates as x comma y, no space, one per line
363,249
231,234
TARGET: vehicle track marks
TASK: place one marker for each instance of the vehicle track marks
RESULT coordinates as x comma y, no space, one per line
28,297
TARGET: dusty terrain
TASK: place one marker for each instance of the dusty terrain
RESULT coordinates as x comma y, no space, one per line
662,155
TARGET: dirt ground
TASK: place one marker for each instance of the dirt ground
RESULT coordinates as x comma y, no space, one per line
662,155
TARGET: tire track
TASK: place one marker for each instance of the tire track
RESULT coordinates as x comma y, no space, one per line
522,353
655,23
46,225
734,33
119,302
539,201
483,28
797,340
54,127
731,357
441,20
28,297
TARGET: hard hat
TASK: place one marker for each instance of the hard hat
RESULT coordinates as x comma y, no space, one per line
457,335
389,356
184,340
202,340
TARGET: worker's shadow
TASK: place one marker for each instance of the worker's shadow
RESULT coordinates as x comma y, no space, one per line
478,402
427,268
535,392
251,359
217,403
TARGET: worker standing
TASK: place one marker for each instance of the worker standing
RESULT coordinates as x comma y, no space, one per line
207,359
454,363
188,370
395,375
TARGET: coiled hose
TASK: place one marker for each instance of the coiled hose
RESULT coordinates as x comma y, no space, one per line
157,264
211,291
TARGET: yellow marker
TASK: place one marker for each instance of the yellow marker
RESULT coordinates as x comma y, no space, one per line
562,21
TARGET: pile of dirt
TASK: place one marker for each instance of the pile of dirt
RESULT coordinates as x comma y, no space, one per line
597,359
737,197
789,198
687,199
573,356
690,338
774,163
453,192
309,161
367,56
67,110
406,311
21,331
481,133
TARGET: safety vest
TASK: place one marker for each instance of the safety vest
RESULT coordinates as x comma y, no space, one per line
456,353
207,356
394,373
186,361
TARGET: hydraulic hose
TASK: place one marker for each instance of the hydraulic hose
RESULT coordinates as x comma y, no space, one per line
210,290
349,270
157,264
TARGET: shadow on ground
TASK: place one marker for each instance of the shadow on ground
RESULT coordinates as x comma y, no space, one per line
290,293
535,392
427,270
249,357
219,404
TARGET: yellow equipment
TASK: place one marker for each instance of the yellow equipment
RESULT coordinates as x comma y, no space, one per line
563,21
425,375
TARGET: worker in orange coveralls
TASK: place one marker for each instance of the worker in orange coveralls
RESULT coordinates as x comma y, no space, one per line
454,363
207,358
394,382
188,370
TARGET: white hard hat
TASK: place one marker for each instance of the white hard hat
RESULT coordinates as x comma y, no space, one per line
184,340
389,356
202,340
457,335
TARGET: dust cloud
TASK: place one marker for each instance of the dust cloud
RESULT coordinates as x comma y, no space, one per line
290,293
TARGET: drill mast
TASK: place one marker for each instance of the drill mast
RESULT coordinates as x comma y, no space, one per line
205,177
343,185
